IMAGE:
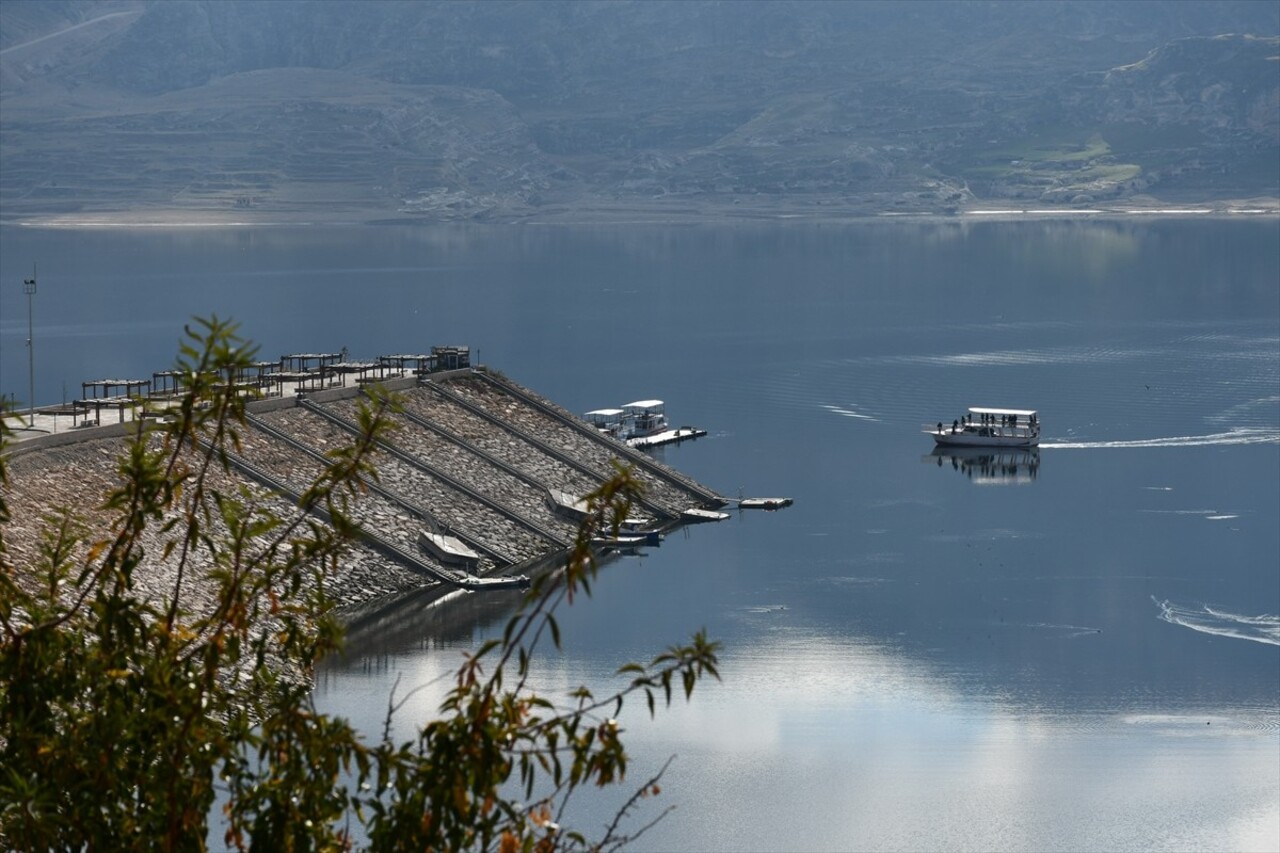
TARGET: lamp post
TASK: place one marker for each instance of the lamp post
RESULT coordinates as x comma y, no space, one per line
29,288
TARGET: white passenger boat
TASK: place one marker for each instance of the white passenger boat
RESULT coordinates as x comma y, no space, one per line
608,421
641,424
644,417
983,427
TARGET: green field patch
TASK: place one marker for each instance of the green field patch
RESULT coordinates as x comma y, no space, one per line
1056,151
1038,154
1052,158
1113,172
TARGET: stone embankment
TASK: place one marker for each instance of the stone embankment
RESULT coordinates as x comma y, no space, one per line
472,455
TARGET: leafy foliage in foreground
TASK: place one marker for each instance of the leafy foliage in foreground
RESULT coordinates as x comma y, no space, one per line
125,715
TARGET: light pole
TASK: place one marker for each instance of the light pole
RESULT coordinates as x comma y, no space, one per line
29,288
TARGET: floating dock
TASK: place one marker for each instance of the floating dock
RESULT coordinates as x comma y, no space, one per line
668,436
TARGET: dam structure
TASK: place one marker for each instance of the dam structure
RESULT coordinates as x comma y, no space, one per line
476,461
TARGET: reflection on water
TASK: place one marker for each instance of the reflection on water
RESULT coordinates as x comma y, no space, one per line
990,466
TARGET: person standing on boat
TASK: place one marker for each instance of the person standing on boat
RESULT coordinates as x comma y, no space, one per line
955,425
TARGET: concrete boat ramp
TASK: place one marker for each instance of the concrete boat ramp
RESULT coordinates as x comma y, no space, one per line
481,482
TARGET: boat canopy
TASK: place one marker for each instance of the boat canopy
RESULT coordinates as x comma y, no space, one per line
976,410
605,413
644,404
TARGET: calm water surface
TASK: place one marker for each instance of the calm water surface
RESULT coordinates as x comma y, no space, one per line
1076,650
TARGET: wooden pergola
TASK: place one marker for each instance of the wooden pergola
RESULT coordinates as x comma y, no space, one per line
303,380
309,370
305,361
367,371
168,384
118,394
259,375
421,362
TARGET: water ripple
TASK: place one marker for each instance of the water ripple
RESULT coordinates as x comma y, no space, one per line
848,413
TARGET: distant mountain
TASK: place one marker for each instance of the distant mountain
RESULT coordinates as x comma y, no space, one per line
507,110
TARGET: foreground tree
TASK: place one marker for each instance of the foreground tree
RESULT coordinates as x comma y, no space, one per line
125,714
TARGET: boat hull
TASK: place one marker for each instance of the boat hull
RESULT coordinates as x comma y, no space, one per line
763,503
974,439
473,582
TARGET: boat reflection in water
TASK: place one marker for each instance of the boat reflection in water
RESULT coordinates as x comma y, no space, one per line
990,466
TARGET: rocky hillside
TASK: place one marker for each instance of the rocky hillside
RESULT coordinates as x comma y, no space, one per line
510,110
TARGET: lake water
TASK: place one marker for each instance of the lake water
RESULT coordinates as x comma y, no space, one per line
1079,650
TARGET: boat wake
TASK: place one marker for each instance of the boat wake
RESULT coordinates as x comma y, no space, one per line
848,413
1259,629
1068,631
1236,436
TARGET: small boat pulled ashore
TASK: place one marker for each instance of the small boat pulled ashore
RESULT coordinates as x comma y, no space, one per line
984,427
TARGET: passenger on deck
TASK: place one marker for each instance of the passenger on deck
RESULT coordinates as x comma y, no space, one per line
954,426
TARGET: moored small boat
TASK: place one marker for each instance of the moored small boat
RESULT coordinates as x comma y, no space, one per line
449,550
621,543
473,582
763,503
987,427
696,514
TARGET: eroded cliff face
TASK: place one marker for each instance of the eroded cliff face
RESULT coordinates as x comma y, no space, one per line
1227,85
508,110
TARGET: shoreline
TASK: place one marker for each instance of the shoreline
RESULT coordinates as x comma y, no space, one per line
640,215
491,488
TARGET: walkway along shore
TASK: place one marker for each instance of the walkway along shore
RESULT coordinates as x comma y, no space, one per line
476,456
